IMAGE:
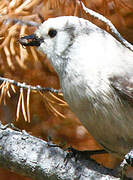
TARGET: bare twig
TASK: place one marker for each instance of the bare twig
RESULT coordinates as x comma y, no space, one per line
109,24
26,86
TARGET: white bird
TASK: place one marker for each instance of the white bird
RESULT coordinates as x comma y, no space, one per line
96,77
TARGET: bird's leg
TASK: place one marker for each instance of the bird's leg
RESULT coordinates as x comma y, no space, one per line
82,154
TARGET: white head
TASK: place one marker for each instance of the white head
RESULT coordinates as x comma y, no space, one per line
59,34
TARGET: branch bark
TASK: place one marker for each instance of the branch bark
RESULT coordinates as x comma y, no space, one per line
32,157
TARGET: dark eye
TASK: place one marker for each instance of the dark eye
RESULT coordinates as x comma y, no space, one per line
52,33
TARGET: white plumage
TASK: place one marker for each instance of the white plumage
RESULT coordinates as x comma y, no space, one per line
96,77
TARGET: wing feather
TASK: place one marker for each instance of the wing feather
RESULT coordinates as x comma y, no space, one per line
123,87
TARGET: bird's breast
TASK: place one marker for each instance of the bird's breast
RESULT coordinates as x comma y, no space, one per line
107,118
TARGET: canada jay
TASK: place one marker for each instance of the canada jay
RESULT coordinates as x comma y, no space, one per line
96,77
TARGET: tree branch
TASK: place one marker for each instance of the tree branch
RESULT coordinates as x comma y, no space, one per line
26,86
33,157
109,24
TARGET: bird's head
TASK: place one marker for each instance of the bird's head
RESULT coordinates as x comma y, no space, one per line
56,36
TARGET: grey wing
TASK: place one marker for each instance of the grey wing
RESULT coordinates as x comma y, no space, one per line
123,87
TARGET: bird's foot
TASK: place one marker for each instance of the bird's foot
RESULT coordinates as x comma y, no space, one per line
129,158
126,165
72,152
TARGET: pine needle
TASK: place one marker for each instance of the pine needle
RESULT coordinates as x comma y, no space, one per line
55,110
13,88
12,47
58,99
19,106
8,55
2,91
23,106
28,104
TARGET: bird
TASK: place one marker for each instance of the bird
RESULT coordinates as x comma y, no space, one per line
96,77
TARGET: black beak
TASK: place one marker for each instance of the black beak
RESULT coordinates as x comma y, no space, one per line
31,40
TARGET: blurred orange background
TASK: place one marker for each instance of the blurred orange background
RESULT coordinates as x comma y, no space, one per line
49,114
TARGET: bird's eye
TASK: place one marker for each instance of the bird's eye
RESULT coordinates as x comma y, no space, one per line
52,33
